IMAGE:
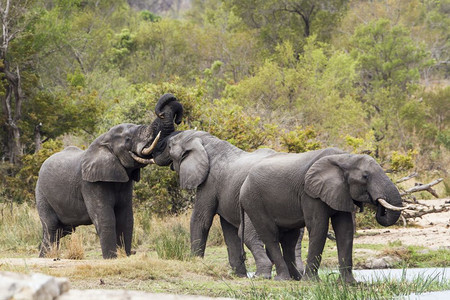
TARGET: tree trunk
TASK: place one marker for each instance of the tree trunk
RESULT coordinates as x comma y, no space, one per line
37,138
13,91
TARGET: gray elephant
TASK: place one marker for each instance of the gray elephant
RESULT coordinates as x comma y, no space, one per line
217,169
285,192
77,187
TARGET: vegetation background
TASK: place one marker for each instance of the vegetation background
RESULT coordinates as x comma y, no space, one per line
368,76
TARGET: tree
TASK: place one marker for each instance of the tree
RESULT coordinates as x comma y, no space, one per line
388,63
14,20
292,20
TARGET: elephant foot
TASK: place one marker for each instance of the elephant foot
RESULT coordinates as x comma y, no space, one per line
240,275
264,275
348,279
264,271
283,277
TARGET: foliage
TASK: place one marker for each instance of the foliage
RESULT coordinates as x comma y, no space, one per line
300,140
401,162
20,186
366,76
233,124
361,145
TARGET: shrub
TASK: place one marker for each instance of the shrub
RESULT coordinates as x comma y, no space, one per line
300,140
20,185
401,162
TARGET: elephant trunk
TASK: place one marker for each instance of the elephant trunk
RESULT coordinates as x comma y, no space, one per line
169,112
387,215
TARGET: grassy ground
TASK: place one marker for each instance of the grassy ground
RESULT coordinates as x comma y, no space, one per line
153,269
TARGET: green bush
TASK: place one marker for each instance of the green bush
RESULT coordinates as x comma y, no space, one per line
402,162
300,140
20,181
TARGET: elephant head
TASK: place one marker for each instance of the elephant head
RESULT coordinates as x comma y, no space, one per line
189,158
346,179
118,155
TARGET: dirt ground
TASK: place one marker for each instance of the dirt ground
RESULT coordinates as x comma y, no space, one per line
431,231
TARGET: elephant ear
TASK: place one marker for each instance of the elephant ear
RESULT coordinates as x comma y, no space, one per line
194,168
99,163
326,180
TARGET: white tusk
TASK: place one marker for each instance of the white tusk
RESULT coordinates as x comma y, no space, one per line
149,150
141,160
386,205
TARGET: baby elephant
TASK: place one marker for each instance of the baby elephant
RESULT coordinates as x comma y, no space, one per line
77,187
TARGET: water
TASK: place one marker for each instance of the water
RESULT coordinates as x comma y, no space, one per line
440,274
402,274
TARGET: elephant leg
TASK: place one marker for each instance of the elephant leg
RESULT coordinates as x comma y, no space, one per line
50,225
256,246
270,236
298,252
288,241
124,227
104,220
317,239
205,207
317,222
233,242
105,224
343,227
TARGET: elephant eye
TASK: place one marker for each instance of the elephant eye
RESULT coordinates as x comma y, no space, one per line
365,176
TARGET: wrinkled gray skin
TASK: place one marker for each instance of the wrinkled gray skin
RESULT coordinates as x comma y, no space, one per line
77,187
285,192
217,169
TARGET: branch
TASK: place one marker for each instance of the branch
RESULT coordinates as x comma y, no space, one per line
423,187
421,209
412,175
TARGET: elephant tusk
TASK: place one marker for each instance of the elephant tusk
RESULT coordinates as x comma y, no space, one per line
141,160
386,205
149,150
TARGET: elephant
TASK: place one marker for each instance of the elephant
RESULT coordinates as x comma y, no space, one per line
94,186
285,192
217,170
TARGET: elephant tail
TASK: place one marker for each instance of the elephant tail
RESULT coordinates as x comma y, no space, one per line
242,229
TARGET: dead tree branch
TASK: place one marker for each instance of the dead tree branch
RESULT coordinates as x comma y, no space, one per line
412,175
423,187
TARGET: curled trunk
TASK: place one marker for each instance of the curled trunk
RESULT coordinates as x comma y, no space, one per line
386,190
169,112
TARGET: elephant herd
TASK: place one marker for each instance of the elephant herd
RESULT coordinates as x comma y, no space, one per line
264,198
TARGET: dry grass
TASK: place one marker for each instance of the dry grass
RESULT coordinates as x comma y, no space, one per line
146,271
74,246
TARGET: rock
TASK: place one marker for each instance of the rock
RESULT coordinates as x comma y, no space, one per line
384,262
15,286
35,286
